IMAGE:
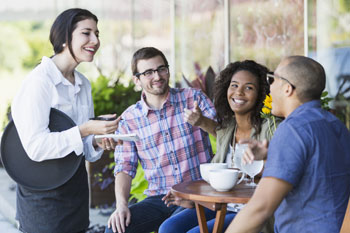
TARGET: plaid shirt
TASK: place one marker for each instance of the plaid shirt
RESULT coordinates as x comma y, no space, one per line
170,150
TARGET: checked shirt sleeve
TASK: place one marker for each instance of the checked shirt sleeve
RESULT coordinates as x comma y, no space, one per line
205,105
125,155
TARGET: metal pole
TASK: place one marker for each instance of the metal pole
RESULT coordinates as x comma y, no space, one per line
173,39
133,25
227,35
306,29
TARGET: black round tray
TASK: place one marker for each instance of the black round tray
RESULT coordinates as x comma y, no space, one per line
45,175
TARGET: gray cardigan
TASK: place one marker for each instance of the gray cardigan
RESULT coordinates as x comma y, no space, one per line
224,138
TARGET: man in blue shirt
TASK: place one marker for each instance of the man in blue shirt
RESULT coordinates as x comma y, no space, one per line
306,180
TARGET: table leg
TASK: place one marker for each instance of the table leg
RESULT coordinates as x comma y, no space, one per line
202,222
220,219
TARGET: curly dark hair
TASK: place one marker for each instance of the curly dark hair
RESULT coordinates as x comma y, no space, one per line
222,83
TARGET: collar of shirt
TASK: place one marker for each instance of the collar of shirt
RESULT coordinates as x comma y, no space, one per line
310,104
168,102
57,76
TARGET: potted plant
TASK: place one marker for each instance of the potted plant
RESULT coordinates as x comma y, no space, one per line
111,97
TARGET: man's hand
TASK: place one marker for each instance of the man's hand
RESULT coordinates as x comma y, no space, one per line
107,143
256,150
120,219
170,199
194,115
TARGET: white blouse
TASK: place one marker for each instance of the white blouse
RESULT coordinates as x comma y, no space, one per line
45,88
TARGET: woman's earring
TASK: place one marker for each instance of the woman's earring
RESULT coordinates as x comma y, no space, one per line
64,45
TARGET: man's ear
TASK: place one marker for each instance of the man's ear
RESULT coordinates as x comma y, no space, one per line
289,90
136,81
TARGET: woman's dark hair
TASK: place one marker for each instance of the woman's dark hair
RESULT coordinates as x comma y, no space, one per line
64,25
222,83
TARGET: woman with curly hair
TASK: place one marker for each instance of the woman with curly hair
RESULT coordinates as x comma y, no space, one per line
239,92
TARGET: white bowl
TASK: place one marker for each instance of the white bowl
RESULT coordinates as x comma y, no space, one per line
223,180
206,167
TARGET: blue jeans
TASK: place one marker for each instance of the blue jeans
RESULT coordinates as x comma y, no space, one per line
186,221
147,215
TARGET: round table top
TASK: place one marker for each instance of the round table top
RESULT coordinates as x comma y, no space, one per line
200,190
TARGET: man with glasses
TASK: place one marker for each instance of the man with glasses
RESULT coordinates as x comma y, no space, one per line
170,150
306,180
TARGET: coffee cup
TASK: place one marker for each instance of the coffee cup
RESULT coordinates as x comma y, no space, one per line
206,167
223,180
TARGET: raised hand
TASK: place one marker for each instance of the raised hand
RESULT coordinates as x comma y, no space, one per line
194,115
256,150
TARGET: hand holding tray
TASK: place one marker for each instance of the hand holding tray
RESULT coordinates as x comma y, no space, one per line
116,137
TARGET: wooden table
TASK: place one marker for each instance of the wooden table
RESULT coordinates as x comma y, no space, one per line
203,195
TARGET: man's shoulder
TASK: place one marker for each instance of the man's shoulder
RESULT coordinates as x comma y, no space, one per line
185,90
132,110
185,93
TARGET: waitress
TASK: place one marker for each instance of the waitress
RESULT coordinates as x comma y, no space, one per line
55,83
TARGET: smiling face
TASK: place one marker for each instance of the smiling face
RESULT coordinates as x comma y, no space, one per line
85,41
242,93
157,84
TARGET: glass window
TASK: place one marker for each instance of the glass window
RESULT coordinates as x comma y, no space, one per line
266,31
199,36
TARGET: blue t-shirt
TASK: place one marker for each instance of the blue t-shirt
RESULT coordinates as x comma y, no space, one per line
311,150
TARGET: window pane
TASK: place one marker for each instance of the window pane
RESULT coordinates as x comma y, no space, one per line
266,31
199,36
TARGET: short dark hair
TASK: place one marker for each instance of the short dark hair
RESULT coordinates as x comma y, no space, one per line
307,75
222,83
145,53
64,25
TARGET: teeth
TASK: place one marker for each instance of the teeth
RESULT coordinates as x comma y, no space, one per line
90,49
239,101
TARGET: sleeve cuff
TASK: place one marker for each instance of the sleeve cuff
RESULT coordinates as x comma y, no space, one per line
75,140
91,153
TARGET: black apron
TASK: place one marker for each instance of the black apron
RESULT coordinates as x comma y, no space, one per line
61,210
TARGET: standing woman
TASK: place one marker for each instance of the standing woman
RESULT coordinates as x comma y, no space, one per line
55,83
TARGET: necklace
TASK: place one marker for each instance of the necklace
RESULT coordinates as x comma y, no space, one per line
233,146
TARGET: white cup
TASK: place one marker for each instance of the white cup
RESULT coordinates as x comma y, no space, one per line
206,167
223,180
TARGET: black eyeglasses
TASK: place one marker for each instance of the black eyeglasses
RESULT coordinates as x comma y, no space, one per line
270,78
162,70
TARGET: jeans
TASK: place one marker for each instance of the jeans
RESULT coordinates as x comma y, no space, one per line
147,215
186,221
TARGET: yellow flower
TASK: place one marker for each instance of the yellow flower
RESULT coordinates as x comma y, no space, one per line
268,102
266,110
266,113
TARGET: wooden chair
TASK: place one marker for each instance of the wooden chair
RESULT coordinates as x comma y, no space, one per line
346,222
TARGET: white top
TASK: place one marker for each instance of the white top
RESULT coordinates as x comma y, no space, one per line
234,207
45,88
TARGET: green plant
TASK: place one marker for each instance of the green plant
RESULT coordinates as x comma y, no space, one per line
325,100
213,143
204,82
114,97
7,117
138,185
